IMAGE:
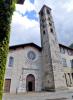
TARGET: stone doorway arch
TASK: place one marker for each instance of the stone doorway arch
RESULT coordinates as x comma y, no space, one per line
30,82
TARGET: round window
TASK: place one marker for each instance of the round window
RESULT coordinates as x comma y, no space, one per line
31,55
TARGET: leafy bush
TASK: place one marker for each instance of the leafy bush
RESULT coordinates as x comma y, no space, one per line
6,11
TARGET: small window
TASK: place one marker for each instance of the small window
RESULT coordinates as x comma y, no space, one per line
43,26
44,32
11,60
71,63
50,24
51,30
69,52
69,79
72,75
49,18
42,13
62,50
64,62
66,78
48,12
43,20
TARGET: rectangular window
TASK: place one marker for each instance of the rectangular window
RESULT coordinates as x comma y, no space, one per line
69,79
66,79
50,24
42,13
11,60
48,12
49,19
69,52
51,30
44,32
64,62
43,26
71,63
72,75
62,50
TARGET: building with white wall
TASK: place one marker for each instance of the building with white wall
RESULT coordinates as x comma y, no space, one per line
67,61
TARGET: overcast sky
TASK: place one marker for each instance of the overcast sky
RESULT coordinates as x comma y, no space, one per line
25,21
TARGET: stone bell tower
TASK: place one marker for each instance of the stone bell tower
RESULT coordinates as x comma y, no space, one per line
53,75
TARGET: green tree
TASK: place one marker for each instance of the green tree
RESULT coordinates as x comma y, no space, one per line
7,8
71,45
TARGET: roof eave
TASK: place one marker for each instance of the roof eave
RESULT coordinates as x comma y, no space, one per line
24,45
65,46
43,8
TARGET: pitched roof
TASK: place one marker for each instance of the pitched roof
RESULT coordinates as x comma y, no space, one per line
25,45
61,45
43,8
34,45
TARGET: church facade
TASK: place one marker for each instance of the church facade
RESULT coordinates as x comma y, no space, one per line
45,68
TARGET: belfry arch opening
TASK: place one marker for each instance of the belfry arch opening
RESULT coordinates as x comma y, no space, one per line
30,83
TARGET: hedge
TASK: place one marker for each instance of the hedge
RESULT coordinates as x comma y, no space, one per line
6,10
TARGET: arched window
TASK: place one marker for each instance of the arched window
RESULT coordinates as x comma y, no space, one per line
11,61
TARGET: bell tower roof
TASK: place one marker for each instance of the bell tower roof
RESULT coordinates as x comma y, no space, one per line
44,6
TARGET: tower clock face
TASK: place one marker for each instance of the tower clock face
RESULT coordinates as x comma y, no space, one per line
31,55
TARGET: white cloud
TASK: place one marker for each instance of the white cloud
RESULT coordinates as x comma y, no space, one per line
23,21
27,6
21,34
26,30
69,6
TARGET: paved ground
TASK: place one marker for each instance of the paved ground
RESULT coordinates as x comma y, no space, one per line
59,95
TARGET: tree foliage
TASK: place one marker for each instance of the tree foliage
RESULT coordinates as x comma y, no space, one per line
6,11
71,45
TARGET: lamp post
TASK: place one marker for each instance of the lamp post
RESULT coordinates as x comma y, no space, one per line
7,8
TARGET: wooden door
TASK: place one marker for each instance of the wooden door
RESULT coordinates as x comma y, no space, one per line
7,85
